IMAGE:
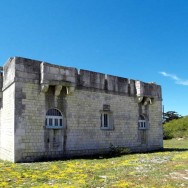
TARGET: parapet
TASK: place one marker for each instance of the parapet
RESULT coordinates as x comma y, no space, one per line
45,74
54,74
91,79
117,84
148,89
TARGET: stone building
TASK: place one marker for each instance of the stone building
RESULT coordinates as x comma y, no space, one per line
49,111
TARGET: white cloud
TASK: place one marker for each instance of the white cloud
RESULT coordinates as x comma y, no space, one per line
176,78
183,82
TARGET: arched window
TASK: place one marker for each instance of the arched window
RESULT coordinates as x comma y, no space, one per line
54,119
141,122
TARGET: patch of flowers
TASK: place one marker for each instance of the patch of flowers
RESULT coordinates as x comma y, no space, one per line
132,170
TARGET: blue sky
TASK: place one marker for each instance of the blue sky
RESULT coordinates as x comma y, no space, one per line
139,39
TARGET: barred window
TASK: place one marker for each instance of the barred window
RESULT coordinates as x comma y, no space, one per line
141,122
54,119
107,121
104,120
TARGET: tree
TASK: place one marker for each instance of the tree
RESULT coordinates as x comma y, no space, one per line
170,115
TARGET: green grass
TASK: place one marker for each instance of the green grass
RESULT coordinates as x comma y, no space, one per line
176,128
178,143
168,168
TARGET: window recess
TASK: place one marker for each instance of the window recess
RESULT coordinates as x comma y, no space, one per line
106,118
54,119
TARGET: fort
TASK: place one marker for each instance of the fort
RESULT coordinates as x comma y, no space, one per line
49,111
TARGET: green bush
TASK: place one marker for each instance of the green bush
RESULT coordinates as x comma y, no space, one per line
176,128
118,151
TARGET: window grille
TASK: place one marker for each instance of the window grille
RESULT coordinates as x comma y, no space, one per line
54,119
141,122
107,122
104,120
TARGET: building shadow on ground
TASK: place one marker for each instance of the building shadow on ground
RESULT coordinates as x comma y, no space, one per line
174,149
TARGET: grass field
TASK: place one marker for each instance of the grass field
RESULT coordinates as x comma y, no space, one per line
168,168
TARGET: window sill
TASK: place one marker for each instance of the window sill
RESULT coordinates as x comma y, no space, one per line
54,127
142,128
107,128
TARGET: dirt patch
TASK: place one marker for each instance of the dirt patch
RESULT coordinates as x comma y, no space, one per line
183,175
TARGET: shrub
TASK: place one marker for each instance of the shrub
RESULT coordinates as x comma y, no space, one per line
176,128
117,150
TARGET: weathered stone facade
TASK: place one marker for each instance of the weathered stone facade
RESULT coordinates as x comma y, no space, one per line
92,111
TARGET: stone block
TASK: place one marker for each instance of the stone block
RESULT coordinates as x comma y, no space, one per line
51,73
117,84
148,89
91,79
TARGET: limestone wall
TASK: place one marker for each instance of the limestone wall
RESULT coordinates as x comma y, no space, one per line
91,79
7,109
155,130
118,84
7,124
9,73
83,121
1,88
82,133
148,89
54,74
